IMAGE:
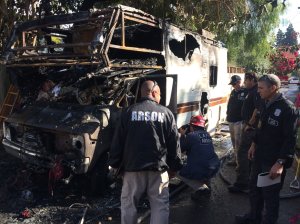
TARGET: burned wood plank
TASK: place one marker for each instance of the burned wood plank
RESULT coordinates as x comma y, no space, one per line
137,49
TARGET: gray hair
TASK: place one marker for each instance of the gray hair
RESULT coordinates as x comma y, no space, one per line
270,80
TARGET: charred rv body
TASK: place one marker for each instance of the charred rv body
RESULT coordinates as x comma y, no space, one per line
95,62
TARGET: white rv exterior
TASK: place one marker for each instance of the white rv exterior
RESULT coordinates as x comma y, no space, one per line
194,76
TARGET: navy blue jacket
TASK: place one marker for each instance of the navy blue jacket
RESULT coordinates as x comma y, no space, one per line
202,161
276,133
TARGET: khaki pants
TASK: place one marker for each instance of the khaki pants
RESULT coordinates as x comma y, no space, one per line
235,129
155,184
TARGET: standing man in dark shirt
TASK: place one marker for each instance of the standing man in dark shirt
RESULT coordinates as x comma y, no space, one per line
249,112
271,151
234,117
145,147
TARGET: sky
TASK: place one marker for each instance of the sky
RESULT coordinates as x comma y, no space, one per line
292,15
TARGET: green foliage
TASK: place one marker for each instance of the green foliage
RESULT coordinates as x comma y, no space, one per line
289,38
280,38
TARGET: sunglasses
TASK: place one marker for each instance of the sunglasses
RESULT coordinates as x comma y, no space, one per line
268,79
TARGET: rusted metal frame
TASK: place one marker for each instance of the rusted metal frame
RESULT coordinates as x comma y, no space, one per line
23,39
45,60
122,94
111,31
41,25
135,66
123,29
52,64
48,56
105,46
52,46
141,21
145,50
144,18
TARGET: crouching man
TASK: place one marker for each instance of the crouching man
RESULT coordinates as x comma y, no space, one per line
202,161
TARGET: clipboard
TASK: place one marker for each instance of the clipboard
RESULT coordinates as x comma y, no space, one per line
264,180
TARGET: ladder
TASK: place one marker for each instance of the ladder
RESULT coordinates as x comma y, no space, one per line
9,103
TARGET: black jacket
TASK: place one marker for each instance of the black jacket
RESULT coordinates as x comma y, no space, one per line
146,139
252,102
235,104
276,131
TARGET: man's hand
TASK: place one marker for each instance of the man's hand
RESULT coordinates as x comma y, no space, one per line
172,174
251,152
182,131
247,127
276,170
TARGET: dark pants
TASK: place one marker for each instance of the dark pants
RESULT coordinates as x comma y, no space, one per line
243,168
264,201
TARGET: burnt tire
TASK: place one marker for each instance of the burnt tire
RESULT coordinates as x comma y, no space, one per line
97,178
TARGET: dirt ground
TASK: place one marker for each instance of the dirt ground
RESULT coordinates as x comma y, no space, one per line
24,198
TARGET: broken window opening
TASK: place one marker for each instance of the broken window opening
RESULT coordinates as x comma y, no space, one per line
184,49
138,35
213,76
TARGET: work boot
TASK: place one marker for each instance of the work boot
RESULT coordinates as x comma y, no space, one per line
238,188
202,191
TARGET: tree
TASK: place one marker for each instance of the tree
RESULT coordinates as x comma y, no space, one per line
280,38
284,62
285,59
290,36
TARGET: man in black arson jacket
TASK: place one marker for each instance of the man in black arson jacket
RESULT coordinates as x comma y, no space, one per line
271,151
145,147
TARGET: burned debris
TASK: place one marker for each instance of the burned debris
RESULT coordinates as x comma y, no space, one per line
74,73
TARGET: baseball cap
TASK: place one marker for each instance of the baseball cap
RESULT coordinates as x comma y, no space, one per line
234,79
197,120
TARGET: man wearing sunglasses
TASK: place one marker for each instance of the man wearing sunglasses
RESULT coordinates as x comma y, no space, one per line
146,148
271,151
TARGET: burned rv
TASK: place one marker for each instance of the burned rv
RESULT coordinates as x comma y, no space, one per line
76,72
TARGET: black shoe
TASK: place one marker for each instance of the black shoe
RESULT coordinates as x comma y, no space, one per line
243,219
199,194
238,189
